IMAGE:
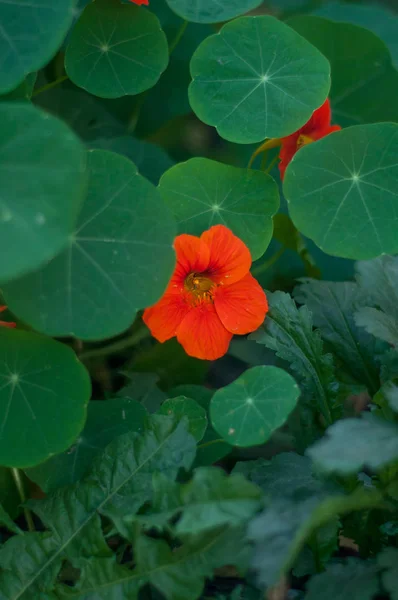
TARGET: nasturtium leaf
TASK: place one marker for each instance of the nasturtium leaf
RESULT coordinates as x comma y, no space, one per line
347,182
208,11
262,79
30,34
116,50
351,444
44,391
202,193
106,420
352,580
42,183
249,410
119,258
143,388
201,394
186,407
364,80
6,521
23,91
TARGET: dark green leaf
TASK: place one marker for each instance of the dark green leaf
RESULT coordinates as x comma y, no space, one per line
186,407
211,449
42,185
259,86
23,91
116,50
6,521
44,391
143,388
341,181
205,11
202,193
389,561
105,421
119,260
201,394
249,410
352,580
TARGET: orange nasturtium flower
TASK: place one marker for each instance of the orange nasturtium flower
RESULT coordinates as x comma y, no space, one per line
139,2
5,323
211,295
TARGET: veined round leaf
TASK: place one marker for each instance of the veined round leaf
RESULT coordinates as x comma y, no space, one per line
342,191
119,259
186,407
257,78
249,410
42,181
202,193
31,32
208,11
44,391
116,49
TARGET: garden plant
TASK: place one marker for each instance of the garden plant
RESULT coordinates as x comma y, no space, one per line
199,300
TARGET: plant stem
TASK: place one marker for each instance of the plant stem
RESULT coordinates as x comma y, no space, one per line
49,86
118,346
271,164
268,263
206,444
16,475
178,36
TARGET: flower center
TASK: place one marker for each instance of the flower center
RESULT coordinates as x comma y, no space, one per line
303,140
200,286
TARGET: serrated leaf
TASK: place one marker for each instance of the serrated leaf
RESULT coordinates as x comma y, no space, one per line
288,331
44,392
119,259
31,33
105,421
352,580
340,181
351,444
205,11
249,410
332,305
42,183
117,486
186,407
116,50
201,193
258,87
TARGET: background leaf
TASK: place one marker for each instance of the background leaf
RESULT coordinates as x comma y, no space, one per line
259,87
43,396
202,193
42,185
119,260
352,580
206,11
186,407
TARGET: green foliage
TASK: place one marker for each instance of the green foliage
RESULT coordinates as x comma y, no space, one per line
181,407
250,73
353,580
203,11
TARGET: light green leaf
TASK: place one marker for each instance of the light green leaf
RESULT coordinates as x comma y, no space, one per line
263,80
351,444
207,11
332,305
31,32
249,410
106,420
347,183
352,580
116,50
202,193
44,391
42,183
119,260
186,407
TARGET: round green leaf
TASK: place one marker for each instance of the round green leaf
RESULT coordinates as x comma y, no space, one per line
106,420
249,410
257,78
31,31
42,181
44,391
116,50
202,193
208,11
119,259
348,184
186,407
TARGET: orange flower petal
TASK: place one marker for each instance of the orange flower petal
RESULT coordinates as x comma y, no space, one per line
164,317
192,257
202,334
230,258
242,306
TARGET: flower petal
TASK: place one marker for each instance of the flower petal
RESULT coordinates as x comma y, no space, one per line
202,334
192,257
242,306
230,258
164,318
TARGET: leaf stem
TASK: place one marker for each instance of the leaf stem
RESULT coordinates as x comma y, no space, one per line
16,475
180,32
118,346
49,86
268,263
272,164
206,444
